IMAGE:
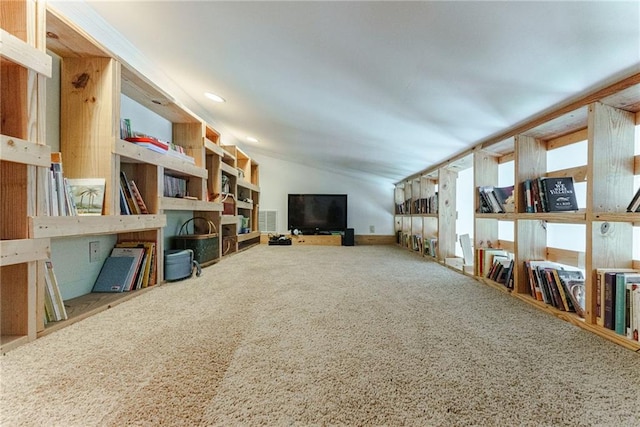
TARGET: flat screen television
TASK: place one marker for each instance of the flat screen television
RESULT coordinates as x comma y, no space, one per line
317,213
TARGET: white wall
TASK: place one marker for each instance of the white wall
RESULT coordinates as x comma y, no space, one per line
370,202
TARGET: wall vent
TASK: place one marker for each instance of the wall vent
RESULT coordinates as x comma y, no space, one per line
267,221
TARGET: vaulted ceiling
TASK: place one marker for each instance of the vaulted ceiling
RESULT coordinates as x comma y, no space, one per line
378,88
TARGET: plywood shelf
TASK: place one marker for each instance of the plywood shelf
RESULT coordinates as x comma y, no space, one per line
67,226
130,152
248,236
24,250
20,151
21,53
247,185
177,204
90,304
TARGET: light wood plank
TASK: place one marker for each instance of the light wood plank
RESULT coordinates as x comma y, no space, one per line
319,240
20,151
15,50
133,153
228,169
579,173
177,204
610,158
563,256
246,184
446,214
248,236
571,138
375,239
65,226
24,250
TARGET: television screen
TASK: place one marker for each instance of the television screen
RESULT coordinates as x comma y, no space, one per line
310,213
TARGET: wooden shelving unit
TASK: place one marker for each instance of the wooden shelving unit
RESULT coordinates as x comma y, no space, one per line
24,68
92,82
606,120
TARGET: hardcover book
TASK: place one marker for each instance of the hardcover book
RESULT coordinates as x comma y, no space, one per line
114,274
560,194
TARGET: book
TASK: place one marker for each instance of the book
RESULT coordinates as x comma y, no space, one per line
125,186
600,287
634,205
149,277
559,194
115,274
51,282
142,207
621,304
573,284
88,194
58,183
505,198
134,280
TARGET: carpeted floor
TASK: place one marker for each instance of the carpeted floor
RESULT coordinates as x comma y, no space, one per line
364,335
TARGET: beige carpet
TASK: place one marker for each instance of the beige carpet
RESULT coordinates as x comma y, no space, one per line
359,335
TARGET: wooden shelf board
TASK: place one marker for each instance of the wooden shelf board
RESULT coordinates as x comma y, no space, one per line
559,217
9,342
87,305
567,123
246,184
69,41
228,169
177,204
229,220
617,216
213,148
248,236
20,151
627,99
66,226
244,205
131,153
19,52
24,250
140,89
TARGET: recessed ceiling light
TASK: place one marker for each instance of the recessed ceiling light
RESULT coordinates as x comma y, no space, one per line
252,139
214,97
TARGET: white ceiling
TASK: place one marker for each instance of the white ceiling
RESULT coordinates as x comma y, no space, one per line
382,88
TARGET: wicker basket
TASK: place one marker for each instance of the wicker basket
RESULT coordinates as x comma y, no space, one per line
205,245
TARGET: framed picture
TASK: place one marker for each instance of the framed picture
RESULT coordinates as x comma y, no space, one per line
88,195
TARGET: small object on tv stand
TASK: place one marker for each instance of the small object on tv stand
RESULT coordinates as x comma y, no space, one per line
279,240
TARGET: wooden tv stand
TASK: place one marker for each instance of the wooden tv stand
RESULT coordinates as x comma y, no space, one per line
309,240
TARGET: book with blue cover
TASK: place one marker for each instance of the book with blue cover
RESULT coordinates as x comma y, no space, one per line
114,275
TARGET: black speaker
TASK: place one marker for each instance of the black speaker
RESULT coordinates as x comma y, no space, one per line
348,239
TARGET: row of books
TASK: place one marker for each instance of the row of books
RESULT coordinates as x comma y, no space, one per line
557,286
54,309
496,199
130,266
426,205
175,186
131,201
403,208
550,194
618,300
152,143
634,205
501,270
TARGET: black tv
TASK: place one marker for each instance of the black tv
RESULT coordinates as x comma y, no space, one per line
317,213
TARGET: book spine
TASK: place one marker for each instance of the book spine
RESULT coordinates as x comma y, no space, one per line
620,304
609,300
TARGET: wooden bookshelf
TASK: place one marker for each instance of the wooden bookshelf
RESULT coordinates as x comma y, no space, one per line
606,120
92,82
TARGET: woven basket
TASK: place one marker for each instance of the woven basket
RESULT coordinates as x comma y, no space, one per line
205,245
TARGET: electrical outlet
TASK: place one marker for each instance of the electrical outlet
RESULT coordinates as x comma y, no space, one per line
372,229
94,251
